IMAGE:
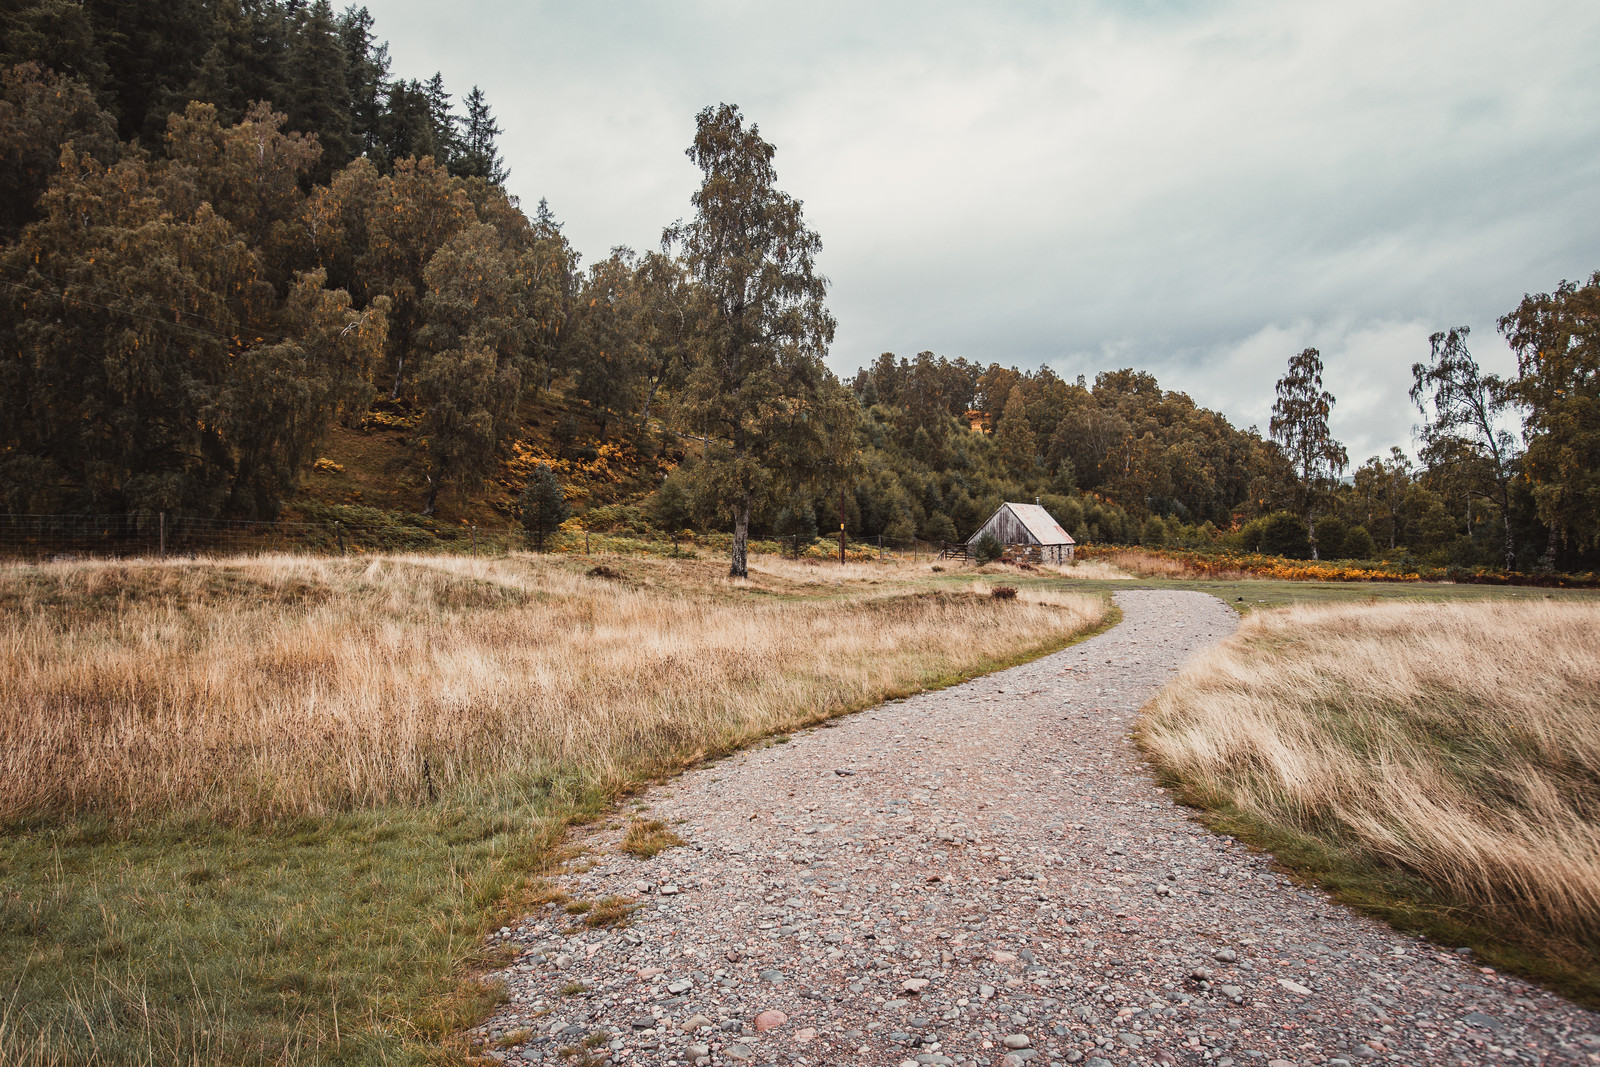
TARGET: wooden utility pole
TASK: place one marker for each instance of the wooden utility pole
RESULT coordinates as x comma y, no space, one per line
841,523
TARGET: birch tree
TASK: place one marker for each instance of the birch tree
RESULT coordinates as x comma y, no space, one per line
1468,408
756,388
1300,425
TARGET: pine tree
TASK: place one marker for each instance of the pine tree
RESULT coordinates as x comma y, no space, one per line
317,97
406,130
446,125
480,155
542,507
366,72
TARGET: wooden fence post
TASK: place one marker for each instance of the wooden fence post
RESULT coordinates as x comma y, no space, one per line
163,534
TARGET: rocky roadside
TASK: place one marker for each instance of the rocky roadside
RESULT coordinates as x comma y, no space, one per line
989,876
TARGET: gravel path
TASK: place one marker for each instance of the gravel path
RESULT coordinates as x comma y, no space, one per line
988,875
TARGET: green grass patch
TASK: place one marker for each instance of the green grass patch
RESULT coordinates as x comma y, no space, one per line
352,939
1252,594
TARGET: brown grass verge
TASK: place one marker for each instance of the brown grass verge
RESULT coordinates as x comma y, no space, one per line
1437,762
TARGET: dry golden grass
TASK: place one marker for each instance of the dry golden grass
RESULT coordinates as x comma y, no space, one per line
1089,569
1457,743
1133,562
250,689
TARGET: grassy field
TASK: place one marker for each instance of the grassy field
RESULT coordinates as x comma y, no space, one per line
1436,763
263,810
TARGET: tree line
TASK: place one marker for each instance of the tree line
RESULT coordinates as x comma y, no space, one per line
326,71
190,304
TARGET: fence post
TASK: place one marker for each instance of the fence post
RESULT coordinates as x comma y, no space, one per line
841,524
163,534
474,539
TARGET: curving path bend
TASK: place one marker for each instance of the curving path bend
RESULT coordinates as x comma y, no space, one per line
989,875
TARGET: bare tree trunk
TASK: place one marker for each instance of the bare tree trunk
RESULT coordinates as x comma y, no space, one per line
399,369
1311,527
741,534
1505,521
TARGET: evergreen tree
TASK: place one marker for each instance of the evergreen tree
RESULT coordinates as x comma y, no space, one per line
446,126
542,507
366,73
480,154
317,94
406,130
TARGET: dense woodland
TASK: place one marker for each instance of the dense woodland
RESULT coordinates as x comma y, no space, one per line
228,229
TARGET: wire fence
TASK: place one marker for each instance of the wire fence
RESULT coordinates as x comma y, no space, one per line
40,538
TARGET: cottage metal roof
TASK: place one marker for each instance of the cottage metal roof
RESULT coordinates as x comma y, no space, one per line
1045,530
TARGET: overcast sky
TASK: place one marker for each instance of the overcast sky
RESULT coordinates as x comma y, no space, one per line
1195,189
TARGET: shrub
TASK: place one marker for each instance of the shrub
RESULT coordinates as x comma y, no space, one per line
1003,592
1358,543
1331,537
542,507
1283,534
937,527
988,549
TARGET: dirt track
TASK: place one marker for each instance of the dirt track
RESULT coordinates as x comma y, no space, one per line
989,875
